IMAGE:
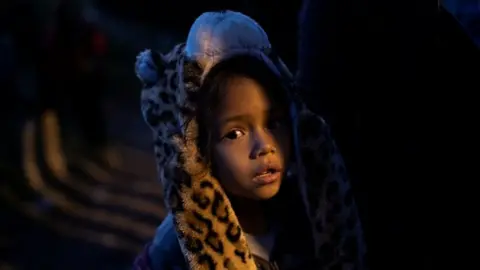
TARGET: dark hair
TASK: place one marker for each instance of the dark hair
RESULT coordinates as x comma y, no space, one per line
213,89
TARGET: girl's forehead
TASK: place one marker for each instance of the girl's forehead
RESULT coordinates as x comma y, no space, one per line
245,102
243,94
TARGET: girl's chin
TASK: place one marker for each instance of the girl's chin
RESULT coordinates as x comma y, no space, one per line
266,192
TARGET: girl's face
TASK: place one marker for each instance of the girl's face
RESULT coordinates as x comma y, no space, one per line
251,140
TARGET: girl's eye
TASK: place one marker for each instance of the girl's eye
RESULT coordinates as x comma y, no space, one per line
234,134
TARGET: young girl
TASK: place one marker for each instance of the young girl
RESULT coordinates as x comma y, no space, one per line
252,179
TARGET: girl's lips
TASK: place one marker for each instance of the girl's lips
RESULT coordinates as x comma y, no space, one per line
267,178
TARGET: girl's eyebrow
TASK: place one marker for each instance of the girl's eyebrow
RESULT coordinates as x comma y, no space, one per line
247,117
236,118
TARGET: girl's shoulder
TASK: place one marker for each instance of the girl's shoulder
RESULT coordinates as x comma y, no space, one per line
166,235
164,251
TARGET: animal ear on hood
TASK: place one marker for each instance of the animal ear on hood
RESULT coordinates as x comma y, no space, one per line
149,66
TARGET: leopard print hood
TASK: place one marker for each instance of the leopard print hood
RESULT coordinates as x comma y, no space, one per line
208,230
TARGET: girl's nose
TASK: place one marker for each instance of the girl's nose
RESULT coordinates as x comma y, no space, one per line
263,146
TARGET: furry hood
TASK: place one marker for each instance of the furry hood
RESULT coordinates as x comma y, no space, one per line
208,230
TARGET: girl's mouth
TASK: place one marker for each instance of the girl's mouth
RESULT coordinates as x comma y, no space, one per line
268,176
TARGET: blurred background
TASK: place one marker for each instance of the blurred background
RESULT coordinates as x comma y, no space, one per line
78,179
